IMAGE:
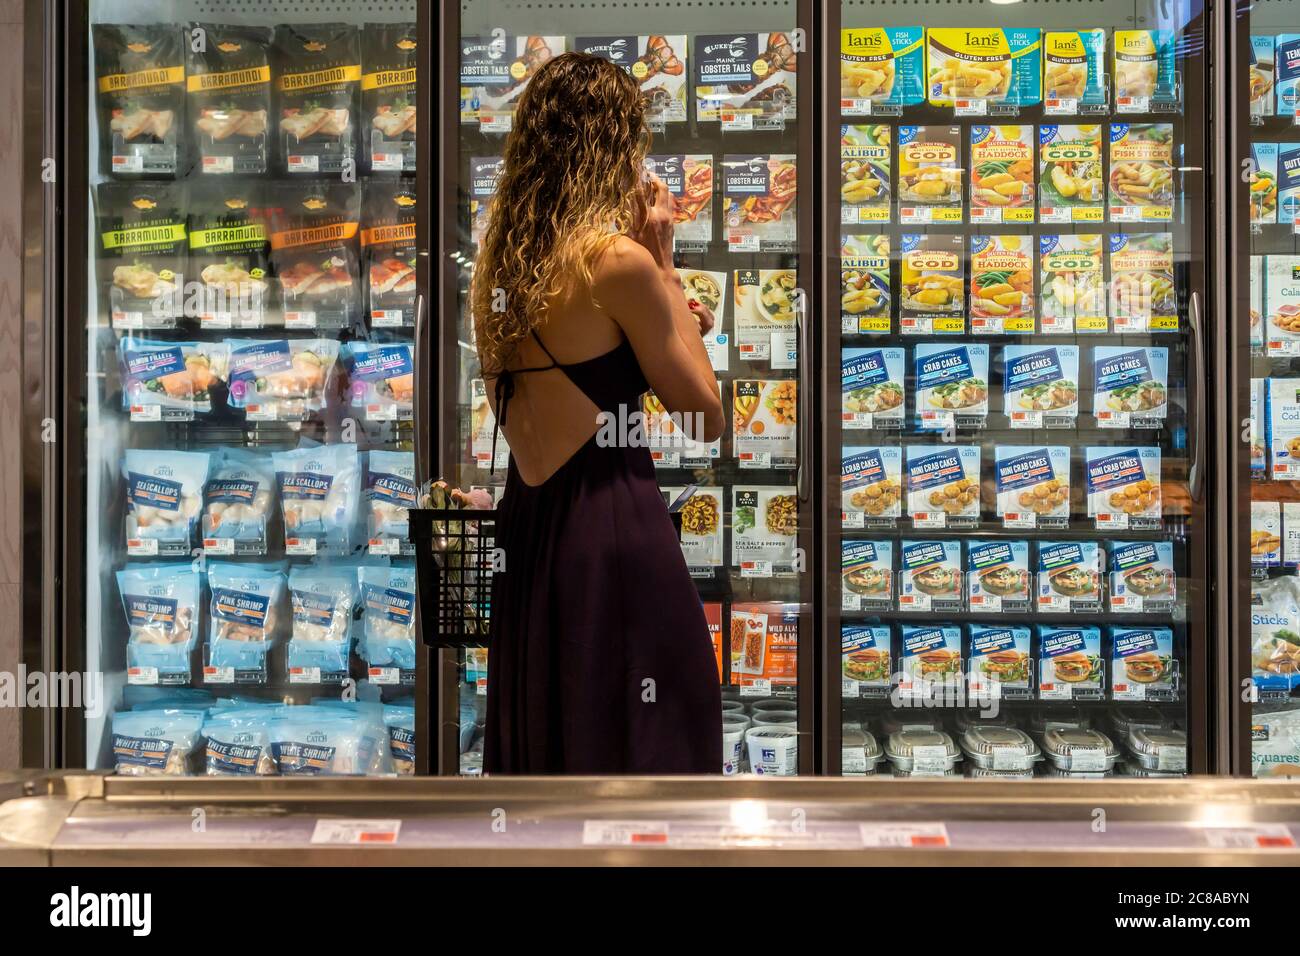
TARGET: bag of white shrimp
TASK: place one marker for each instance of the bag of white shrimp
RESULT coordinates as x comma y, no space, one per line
164,495
239,742
280,379
383,380
161,602
399,718
237,502
388,618
161,741
322,599
390,494
320,490
246,608
310,740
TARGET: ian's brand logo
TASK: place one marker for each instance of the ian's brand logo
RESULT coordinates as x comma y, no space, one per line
975,39
77,909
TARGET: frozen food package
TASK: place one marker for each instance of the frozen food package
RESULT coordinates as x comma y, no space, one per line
1002,174
494,70
1144,71
484,172
689,180
382,376
1142,164
310,740
943,485
1142,578
388,621
1070,662
873,383
160,741
390,494
931,655
389,85
745,80
865,173
237,502
318,86
142,249
1284,429
1041,385
1123,486
230,252
1074,71
280,379
140,98
1071,187
1258,442
321,601
657,63
153,697
931,181
229,87
1257,304
368,712
314,252
867,574
1275,635
865,660
1143,296
764,645
238,742
1033,485
864,284
952,384
164,495
1263,182
765,304
1002,284
670,435
932,284
245,609
758,200
764,422
871,486
1263,73
399,719
1288,183
1130,386
320,489
1069,576
701,532
882,69
161,602
969,68
1142,663
1275,743
1000,664
997,576
1288,74
764,529
489,448
170,381
710,289
1282,304
1072,290
388,252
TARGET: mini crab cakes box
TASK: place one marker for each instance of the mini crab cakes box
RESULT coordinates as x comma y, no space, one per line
867,574
866,660
931,655
1284,429
1123,486
1000,663
865,297
1033,485
873,386
882,69
997,576
1282,304
1129,386
871,486
943,485
1041,385
929,575
1142,663
931,183
1142,577
1070,665
952,385
1069,576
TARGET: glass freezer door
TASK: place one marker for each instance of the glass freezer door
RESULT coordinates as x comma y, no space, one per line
731,112
1015,541
243,192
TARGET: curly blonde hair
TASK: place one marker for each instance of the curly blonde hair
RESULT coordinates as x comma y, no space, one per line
571,167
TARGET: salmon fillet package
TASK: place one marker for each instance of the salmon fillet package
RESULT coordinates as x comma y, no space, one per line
230,253
170,381
320,489
229,92
280,379
383,380
140,95
388,251
388,96
314,253
318,67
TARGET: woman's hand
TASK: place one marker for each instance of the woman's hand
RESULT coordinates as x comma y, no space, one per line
703,315
655,231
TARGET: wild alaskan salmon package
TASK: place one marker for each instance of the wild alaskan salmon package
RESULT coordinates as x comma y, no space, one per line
140,97
388,251
318,66
314,253
229,92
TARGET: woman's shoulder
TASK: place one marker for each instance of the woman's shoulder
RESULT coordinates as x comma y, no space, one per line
622,262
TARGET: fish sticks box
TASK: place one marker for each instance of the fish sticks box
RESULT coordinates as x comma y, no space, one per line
1266,539
1041,385
1069,576
1144,80
978,71
871,486
1288,183
1287,60
999,661
1142,578
943,485
1263,74
1284,429
1123,486
997,576
1142,664
931,660
872,382
1033,485
1143,294
1070,665
866,658
882,69
867,574
952,385
929,575
1129,386
1263,183
1074,68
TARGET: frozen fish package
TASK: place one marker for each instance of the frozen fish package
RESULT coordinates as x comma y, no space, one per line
382,376
1258,442
229,253
932,284
1142,576
872,380
984,65
1071,185
140,98
1143,296
1143,666
930,174
943,485
387,621
710,289
1130,386
315,254
1041,385
494,70
1265,534
1070,663
142,249
170,381
1257,304
864,284
1002,271
1263,73
657,63
321,601
1263,182
764,305
867,573
670,438
229,92
318,90
871,486
1069,576
930,573
161,604
745,80
701,535
881,69
390,494
280,379
320,491
1074,71
952,382
389,91
487,445
484,172
865,659
1002,174
1288,183
764,419
246,606
758,200
1123,486
1144,74
1142,160
1284,429
1072,289
866,154
1282,304
389,252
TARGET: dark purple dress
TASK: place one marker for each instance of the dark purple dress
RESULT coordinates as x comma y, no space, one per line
600,660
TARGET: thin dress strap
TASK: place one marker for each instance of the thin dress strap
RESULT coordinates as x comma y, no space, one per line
505,390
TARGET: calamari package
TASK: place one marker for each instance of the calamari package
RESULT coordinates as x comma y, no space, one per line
312,740
322,598
388,616
390,494
164,494
155,742
238,742
274,379
383,379
320,488
237,502
170,381
161,603
246,601
399,718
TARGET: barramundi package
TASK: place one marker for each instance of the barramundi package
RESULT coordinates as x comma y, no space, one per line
237,502
390,494
320,488
280,379
388,617
239,742
142,252
315,253
161,603
246,609
170,381
322,599
140,87
164,495
311,740
161,741
389,250
388,96
229,87
318,67
383,379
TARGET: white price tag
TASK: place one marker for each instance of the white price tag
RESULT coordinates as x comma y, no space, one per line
971,107
356,832
130,163
986,603
385,318
912,215
142,547
384,675
146,413
848,215
1112,522
913,835
216,320
1010,758
858,420
386,162
1132,104
743,242
756,569
1088,759
758,687
930,760
300,320
850,601
495,122
1053,602
385,546
987,324
1112,419
1060,106
853,760
929,519
736,122
219,546
755,459
303,164
218,675
1053,691
142,675
1125,214
1054,214
785,349
936,420
128,320
1264,836
853,519
849,688
981,215
916,601
304,675
666,459
624,832
916,324
1019,519
299,545
1024,419
218,164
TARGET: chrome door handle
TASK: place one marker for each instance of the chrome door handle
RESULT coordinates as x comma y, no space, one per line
804,406
1196,474
422,405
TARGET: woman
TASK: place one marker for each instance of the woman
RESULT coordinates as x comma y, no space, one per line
600,654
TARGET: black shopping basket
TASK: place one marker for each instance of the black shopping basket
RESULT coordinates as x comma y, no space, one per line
455,556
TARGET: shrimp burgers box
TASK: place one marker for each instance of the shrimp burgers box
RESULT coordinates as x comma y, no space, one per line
951,385
1041,385
1000,665
931,656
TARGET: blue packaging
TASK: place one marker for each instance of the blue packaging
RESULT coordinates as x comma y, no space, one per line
1041,381
246,601
164,496
1288,73
383,379
239,742
999,658
161,741
237,500
314,740
871,485
390,494
1070,662
1142,577
997,576
320,489
930,573
388,616
399,718
873,385
951,380
321,600
867,570
1142,663
161,603
170,380
280,378
1069,576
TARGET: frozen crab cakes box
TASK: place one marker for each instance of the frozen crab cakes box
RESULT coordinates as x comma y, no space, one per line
1123,486
1033,485
873,386
943,485
1041,385
1130,386
871,486
952,385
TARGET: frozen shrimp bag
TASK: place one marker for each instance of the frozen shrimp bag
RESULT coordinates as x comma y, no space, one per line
320,488
239,742
164,495
388,616
312,740
170,380
370,713
266,373
237,500
155,742
322,599
383,379
161,603
399,719
245,608
390,492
